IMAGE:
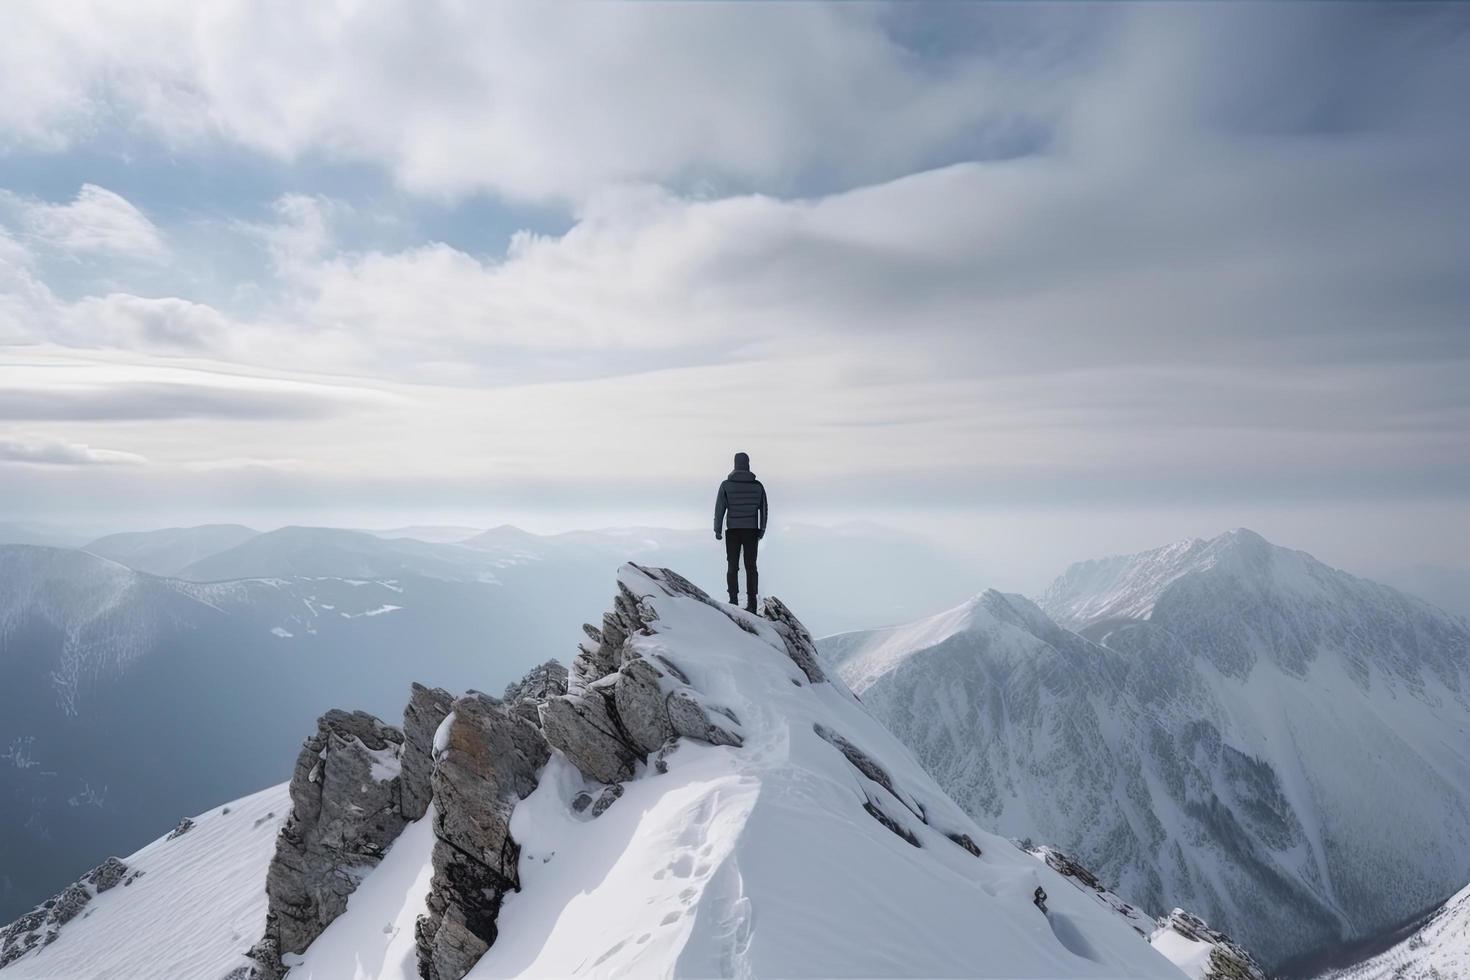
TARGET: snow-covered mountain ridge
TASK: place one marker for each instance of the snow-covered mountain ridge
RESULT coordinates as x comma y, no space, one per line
257,630
1438,949
696,797
1278,745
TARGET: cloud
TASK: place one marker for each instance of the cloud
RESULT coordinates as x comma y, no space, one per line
43,384
46,452
1185,251
535,102
97,221
138,323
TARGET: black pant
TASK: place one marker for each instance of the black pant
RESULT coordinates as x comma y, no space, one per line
736,539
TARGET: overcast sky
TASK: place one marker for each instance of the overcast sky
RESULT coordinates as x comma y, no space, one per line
1166,269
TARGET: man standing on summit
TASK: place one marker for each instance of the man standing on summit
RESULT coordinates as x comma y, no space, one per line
743,499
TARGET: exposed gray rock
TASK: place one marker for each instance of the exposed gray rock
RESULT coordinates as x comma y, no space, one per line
585,732
545,681
965,841
799,643
672,668
1228,961
638,699
877,812
426,709
490,760
661,760
523,698
609,796
185,825
42,924
346,808
891,814
620,707
1069,868
689,718
112,871
859,759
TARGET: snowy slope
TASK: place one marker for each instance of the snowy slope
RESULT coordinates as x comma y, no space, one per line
1439,949
1279,746
194,910
750,860
1124,586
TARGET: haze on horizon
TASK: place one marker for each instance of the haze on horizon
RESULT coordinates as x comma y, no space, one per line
1042,282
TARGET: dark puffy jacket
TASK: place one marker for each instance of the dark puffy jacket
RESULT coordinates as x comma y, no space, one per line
744,498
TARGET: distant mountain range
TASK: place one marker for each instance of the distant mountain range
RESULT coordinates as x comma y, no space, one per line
169,551
1225,725
182,668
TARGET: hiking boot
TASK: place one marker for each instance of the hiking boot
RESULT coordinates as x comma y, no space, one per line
734,599
750,604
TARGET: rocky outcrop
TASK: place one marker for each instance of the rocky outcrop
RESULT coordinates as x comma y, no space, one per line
489,760
621,707
546,681
888,803
1228,961
800,646
346,809
358,781
426,709
582,727
1069,868
42,924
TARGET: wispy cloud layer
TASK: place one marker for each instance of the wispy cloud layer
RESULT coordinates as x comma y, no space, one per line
45,452
95,222
944,254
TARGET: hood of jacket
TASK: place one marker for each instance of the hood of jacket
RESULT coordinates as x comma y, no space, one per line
741,476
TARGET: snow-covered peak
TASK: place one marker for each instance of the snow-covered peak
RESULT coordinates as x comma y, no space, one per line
778,830
1196,757
1128,586
1238,598
816,847
1012,628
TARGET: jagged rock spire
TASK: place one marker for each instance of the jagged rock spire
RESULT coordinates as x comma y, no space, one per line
489,760
346,808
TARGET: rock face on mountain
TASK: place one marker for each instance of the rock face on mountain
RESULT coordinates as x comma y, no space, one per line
1071,869
346,809
1248,733
425,712
488,760
546,681
1204,952
42,925
619,706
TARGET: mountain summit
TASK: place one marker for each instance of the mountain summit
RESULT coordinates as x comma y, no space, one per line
1234,727
695,796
